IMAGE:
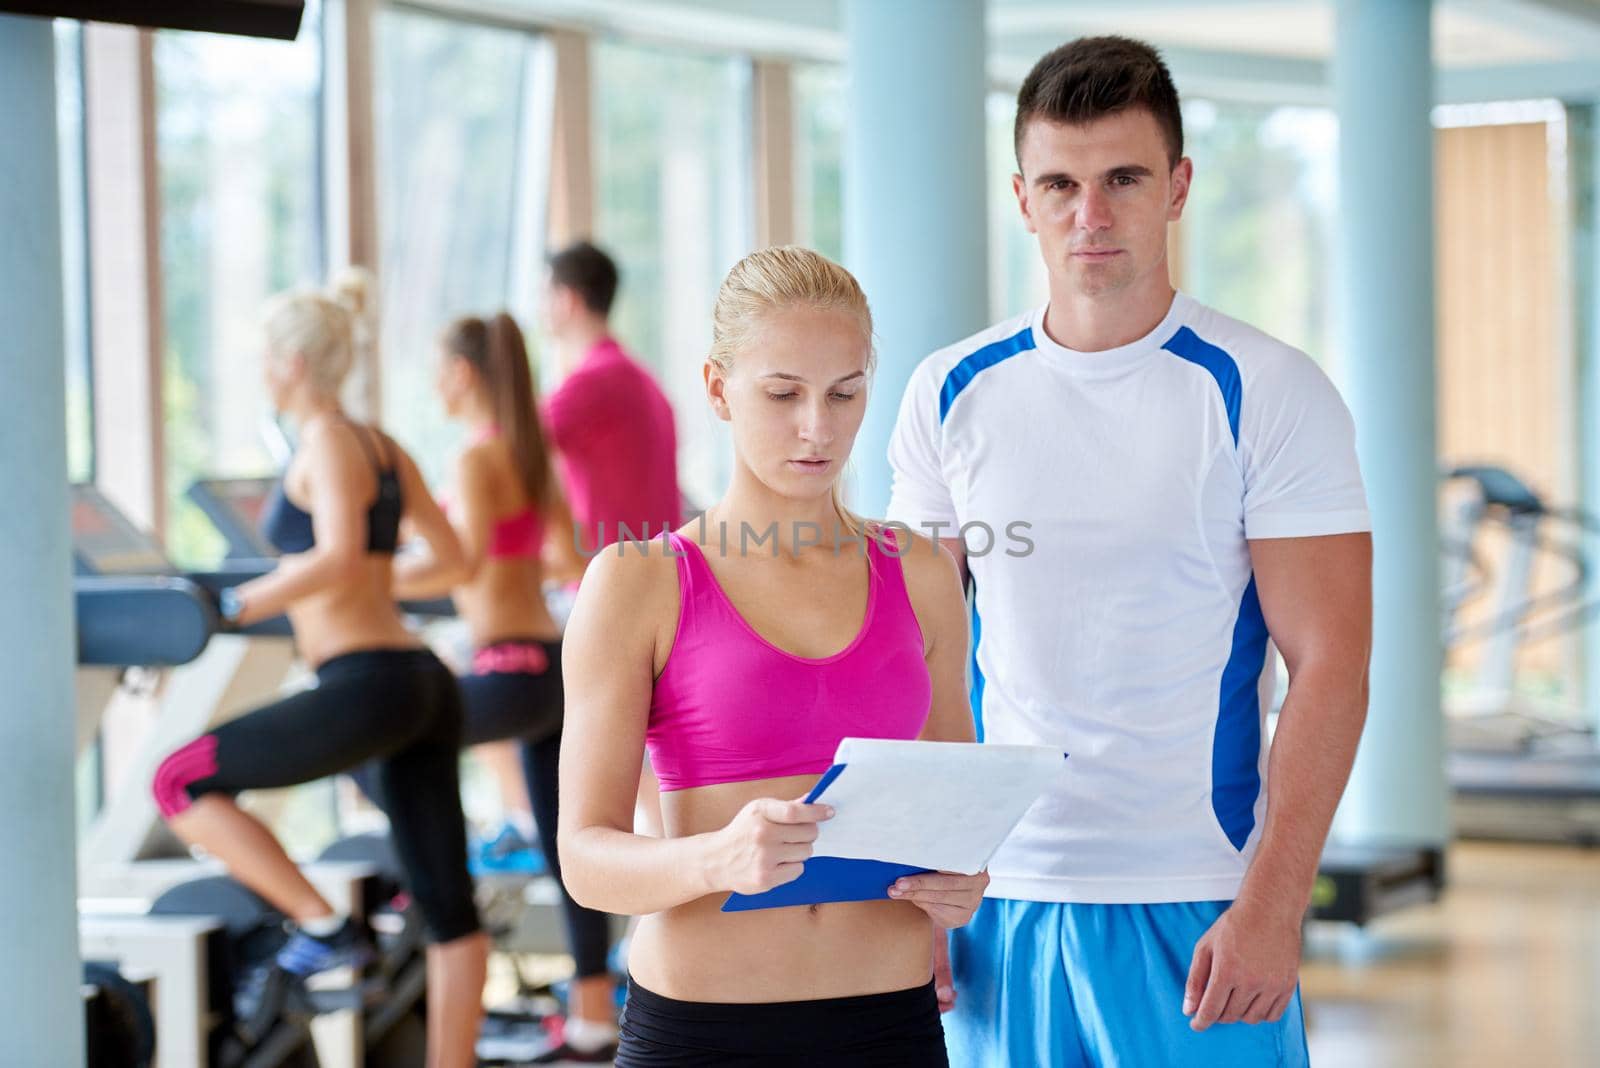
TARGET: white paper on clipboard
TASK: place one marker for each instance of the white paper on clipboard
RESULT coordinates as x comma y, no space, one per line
941,805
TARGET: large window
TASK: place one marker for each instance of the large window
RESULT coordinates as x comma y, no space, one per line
74,249
818,159
458,105
673,181
1256,231
237,127
1016,273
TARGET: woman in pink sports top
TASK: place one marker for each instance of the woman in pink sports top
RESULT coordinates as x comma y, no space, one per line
511,519
740,671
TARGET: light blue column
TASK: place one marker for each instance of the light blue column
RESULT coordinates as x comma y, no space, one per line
1583,147
41,1017
914,217
1383,90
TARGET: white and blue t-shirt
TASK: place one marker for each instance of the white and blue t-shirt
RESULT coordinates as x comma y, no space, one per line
1129,634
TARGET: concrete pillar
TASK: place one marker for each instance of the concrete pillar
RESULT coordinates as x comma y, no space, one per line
41,1017
915,217
1383,92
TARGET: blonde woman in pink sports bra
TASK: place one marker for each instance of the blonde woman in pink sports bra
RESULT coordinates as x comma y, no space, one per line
740,670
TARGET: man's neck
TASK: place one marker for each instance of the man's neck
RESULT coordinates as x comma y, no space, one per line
1100,322
576,342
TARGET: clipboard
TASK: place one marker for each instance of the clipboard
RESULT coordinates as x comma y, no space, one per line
927,824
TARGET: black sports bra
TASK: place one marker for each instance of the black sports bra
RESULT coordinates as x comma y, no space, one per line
288,526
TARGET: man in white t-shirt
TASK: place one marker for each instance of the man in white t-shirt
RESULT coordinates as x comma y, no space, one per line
1191,495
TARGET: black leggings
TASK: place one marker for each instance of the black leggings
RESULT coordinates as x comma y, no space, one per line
895,1030
398,708
525,706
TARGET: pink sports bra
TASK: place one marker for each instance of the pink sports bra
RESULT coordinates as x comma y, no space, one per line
518,536
732,707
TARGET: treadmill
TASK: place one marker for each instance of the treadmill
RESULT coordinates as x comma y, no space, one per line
1518,772
135,610
235,506
1357,884
521,911
145,902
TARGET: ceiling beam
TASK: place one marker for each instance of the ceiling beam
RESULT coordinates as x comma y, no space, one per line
782,28
1264,79
1054,17
1573,23
805,31
1573,81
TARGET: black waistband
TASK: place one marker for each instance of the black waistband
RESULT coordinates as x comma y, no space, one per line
364,660
898,1020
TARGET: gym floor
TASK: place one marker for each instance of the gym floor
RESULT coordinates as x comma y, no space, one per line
1504,970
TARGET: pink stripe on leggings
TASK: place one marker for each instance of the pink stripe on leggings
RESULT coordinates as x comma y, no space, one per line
511,658
185,765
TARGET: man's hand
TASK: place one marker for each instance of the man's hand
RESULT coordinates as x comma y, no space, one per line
1244,969
944,985
948,898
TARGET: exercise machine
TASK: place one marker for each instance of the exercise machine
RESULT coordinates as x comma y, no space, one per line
1520,768
148,906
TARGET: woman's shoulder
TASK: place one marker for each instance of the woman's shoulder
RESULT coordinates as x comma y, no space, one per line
635,567
483,457
487,468
929,568
338,445
628,596
898,540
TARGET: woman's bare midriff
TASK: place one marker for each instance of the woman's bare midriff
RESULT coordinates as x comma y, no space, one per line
355,615
505,600
696,952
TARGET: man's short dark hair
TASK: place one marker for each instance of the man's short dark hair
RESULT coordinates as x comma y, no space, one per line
589,273
1093,77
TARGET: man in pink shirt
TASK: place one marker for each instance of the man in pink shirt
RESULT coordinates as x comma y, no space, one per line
617,458
608,419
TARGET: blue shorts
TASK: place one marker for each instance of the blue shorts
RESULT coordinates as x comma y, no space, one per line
1043,983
